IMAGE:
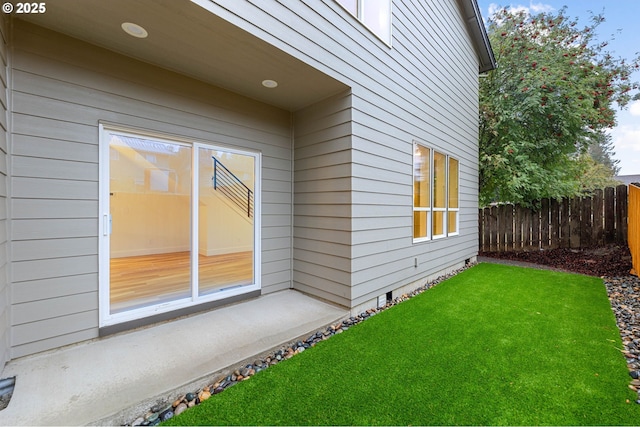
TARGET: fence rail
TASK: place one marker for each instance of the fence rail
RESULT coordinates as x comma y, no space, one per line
577,222
634,227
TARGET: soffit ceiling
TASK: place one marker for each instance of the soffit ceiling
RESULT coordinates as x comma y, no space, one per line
189,40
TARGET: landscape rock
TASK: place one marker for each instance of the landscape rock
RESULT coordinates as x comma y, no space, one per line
166,415
180,409
204,395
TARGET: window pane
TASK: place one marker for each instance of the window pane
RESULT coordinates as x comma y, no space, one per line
225,220
438,223
452,224
439,180
419,224
150,243
421,180
453,183
350,5
376,14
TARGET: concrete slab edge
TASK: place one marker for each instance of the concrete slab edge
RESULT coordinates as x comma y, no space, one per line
129,414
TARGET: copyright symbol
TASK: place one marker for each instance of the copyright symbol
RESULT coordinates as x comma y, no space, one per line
7,8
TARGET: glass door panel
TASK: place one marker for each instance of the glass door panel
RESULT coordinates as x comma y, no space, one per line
226,212
150,208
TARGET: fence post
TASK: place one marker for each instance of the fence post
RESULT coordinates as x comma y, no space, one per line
634,227
480,229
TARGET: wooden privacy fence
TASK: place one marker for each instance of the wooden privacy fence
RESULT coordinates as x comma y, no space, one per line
634,227
577,222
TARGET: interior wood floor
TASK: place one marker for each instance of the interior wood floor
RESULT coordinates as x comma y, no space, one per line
151,279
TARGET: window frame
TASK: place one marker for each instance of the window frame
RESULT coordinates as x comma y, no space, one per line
439,209
431,210
359,15
427,209
450,209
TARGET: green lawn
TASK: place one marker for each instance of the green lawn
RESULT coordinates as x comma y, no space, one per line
494,345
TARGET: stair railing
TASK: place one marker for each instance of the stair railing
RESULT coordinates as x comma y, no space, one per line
232,187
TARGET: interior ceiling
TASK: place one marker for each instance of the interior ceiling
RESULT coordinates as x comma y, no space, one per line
187,39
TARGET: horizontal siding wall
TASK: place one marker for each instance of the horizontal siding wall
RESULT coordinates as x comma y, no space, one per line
62,88
434,102
5,323
322,200
424,87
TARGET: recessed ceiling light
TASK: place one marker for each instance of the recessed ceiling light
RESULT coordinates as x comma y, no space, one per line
270,83
134,30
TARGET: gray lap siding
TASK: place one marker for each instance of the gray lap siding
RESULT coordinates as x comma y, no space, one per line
62,89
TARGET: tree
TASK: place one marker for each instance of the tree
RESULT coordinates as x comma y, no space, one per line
553,93
601,151
593,175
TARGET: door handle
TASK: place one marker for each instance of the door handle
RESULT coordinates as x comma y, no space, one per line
106,224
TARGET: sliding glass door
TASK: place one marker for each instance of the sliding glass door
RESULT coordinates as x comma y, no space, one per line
226,214
178,224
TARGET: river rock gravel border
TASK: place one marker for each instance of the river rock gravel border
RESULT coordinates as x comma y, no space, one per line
624,295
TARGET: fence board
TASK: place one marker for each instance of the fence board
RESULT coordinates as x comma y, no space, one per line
574,222
586,223
597,232
502,227
484,225
508,223
554,223
544,223
609,215
526,228
518,221
621,213
535,229
493,227
564,223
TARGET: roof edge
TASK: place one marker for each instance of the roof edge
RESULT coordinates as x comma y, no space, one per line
480,36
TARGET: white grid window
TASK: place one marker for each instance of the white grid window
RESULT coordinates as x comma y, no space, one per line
435,194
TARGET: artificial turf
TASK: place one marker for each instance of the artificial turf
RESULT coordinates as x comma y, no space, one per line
494,345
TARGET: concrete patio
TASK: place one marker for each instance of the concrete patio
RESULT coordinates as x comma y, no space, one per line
111,380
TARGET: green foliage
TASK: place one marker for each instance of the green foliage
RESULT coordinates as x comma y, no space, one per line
554,92
594,175
494,345
601,151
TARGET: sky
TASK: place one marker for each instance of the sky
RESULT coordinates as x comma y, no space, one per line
620,15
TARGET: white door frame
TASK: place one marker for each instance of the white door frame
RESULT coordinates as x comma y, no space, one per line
106,318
